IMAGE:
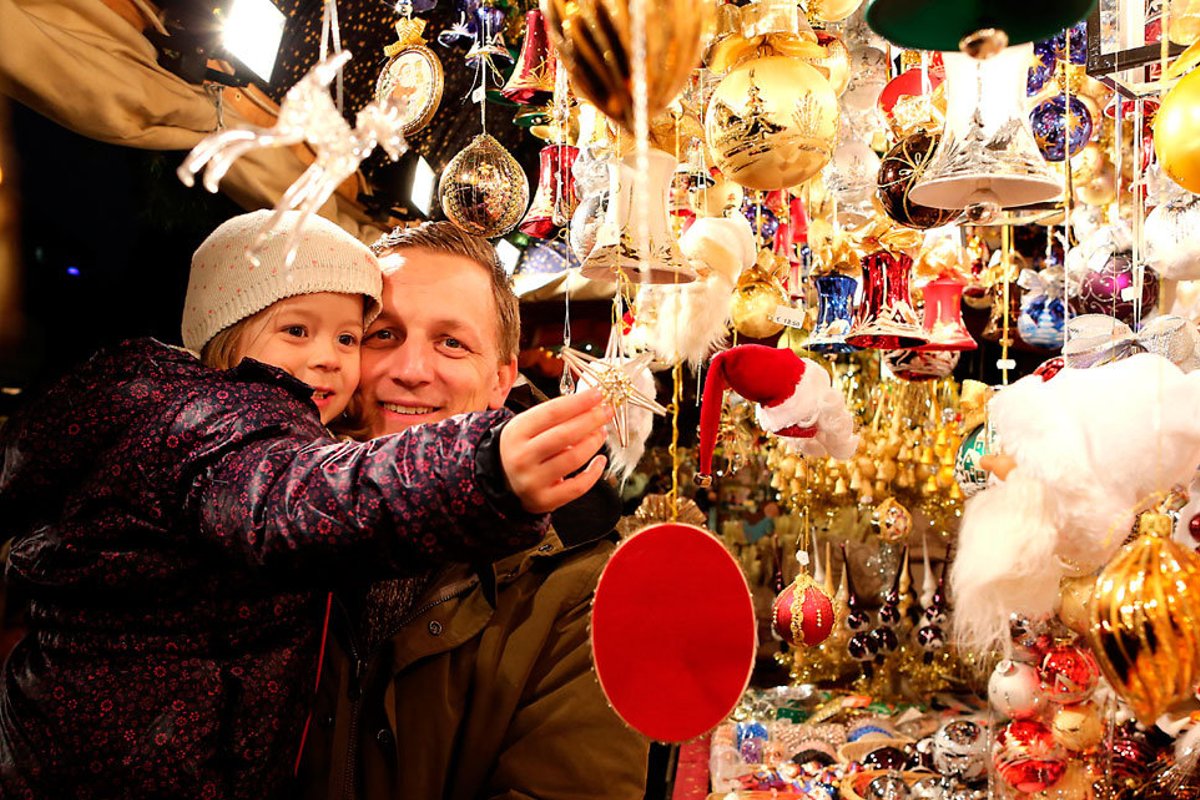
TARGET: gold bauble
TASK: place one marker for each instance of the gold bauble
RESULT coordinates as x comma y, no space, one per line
1145,620
1100,190
754,303
835,65
1075,597
483,189
771,123
1087,163
1078,727
1175,127
594,40
722,195
1184,22
833,10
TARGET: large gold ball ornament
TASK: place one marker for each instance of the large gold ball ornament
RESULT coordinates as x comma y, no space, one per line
483,189
754,303
1100,190
1074,602
1078,727
1145,620
594,40
771,123
833,10
1175,126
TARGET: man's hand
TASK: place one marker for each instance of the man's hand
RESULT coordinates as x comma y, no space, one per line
540,447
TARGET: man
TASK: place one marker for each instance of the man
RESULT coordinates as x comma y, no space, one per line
475,682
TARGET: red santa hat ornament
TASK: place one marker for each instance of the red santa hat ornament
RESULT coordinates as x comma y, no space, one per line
795,400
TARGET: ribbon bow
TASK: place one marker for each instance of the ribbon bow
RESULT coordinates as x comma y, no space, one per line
1048,283
1094,339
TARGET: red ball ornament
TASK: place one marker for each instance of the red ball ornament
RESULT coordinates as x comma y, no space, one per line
1048,369
802,614
1027,757
1069,674
1194,527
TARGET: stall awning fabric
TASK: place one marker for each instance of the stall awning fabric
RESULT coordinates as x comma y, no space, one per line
88,68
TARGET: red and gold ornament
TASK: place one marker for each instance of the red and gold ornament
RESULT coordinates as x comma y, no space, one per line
1069,674
802,615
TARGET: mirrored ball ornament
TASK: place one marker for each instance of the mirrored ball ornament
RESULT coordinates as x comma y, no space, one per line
960,750
887,787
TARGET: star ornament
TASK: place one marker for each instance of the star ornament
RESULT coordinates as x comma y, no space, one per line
613,376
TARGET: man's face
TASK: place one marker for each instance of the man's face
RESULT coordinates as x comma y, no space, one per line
434,351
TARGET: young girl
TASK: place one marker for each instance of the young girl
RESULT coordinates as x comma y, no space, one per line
178,524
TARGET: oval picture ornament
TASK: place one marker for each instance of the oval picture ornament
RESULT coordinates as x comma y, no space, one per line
673,632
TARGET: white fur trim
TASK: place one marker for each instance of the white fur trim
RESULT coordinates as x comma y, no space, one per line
814,403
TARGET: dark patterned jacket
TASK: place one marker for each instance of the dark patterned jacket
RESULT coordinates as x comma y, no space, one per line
176,530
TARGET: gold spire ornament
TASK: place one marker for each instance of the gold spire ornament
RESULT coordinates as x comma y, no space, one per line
614,375
1145,620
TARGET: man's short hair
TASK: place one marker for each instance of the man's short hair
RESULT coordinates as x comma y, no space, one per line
445,237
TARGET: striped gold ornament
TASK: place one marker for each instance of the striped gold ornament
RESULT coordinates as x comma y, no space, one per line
1145,620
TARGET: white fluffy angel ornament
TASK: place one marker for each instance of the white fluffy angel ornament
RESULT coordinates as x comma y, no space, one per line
307,114
1081,451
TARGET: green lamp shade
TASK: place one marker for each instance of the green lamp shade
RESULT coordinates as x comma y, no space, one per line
942,24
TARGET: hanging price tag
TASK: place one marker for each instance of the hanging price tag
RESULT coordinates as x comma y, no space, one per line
1006,363
788,316
479,95
1129,294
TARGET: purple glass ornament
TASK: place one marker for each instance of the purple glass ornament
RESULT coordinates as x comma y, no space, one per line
761,219
884,640
931,638
1042,68
861,647
1102,291
1049,122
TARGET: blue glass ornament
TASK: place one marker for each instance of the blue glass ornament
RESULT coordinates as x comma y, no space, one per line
762,220
1042,68
1042,321
835,313
751,739
547,257
1049,122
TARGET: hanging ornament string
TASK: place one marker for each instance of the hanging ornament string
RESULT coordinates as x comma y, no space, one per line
1006,260
331,32
641,133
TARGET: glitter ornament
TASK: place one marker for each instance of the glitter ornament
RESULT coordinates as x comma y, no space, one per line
1015,690
1027,757
960,750
483,189
1078,727
1069,674
929,789
1050,124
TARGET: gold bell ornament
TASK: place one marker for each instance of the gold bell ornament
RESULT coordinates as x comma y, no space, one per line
1145,620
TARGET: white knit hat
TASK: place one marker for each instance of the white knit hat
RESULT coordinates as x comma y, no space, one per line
224,287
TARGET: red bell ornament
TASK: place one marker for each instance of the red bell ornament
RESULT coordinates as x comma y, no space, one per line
943,316
555,200
802,615
532,80
886,319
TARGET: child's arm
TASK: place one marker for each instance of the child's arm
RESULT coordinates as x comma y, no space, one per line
275,497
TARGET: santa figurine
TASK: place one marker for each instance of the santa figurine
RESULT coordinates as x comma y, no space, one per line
794,399
1080,452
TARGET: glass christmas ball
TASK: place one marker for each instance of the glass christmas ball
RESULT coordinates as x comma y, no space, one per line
1078,727
1015,690
885,640
1069,674
887,787
892,758
931,638
1102,291
899,171
917,365
960,750
772,122
928,789
1027,757
851,174
483,189
967,473
1050,126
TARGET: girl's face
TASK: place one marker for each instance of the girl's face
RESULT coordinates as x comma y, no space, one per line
315,338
